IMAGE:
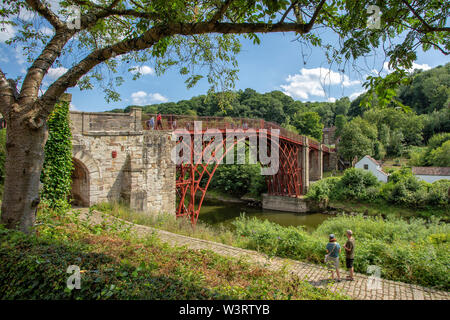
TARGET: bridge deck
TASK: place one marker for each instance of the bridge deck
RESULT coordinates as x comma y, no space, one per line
172,121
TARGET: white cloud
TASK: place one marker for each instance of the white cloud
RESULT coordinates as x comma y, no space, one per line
47,31
143,70
3,57
6,32
20,56
142,98
311,82
415,66
55,73
72,107
355,95
26,14
331,99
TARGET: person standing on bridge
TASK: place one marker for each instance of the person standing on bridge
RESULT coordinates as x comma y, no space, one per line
349,253
151,123
332,258
159,121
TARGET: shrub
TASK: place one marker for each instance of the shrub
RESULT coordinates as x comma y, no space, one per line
275,240
438,193
324,189
354,183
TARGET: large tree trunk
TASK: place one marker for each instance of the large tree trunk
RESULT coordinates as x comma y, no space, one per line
24,160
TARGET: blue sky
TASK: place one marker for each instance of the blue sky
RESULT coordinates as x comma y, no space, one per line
275,64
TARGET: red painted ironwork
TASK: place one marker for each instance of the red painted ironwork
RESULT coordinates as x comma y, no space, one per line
190,191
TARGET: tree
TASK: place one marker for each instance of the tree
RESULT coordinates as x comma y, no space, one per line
185,33
308,123
440,157
340,123
428,91
357,139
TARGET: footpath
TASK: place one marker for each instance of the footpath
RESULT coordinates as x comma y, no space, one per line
363,287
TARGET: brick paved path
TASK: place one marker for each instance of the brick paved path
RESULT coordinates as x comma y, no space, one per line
360,288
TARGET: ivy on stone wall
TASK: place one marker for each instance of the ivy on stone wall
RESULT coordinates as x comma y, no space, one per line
57,170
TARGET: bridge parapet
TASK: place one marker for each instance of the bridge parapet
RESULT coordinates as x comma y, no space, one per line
106,122
173,121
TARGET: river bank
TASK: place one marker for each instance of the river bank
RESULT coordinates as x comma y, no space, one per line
376,208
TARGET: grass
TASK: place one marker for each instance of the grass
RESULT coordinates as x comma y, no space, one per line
115,264
384,209
170,223
334,173
394,163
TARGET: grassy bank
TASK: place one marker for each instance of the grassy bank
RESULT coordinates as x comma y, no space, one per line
117,265
413,251
383,208
171,223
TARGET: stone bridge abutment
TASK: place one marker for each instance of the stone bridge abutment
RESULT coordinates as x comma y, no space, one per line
116,160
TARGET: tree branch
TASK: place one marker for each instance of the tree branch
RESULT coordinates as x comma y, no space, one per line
45,12
147,40
427,26
219,14
7,97
40,66
287,11
314,17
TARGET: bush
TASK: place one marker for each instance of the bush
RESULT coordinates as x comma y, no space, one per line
355,183
324,189
438,193
238,179
405,189
275,240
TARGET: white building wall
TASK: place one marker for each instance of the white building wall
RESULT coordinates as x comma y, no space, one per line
431,179
372,167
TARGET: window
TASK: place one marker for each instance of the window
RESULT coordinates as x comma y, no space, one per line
366,167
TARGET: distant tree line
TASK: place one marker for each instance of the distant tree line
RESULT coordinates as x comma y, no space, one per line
387,132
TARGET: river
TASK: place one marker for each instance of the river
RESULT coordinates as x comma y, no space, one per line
215,213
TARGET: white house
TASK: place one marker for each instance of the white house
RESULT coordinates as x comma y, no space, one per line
431,174
369,163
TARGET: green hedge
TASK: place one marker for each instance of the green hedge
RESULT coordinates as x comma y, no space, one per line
402,189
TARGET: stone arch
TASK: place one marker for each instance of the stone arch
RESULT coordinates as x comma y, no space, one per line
85,175
80,191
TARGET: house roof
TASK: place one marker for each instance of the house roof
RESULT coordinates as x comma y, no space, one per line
371,159
330,129
431,171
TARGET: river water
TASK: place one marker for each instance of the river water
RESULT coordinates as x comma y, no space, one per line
215,213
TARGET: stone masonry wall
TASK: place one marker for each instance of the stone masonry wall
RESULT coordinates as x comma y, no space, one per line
123,161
